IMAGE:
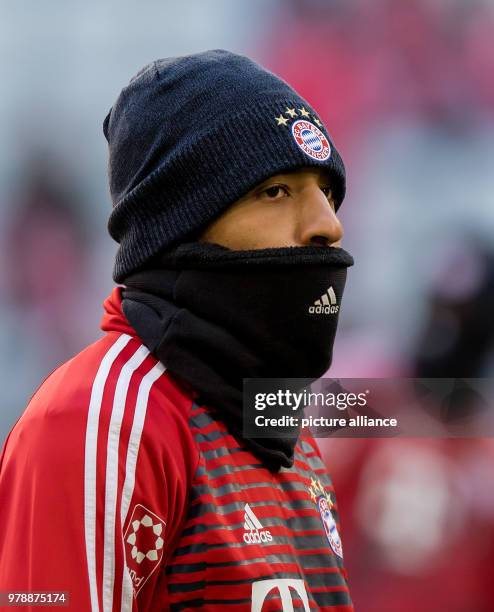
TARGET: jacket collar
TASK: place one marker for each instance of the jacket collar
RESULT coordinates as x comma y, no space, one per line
113,319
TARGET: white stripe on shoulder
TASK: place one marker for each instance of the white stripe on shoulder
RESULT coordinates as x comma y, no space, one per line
130,465
111,484
90,462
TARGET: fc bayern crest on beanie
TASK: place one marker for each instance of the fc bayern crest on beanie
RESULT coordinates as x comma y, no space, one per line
188,136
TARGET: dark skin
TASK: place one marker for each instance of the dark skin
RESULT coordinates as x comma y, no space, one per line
290,209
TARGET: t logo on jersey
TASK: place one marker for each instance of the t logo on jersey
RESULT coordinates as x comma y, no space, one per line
261,589
143,545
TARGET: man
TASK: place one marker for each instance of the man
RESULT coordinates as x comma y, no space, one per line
129,481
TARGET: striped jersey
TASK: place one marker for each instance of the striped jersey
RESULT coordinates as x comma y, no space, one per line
119,490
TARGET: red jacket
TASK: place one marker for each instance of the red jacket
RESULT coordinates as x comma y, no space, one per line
116,487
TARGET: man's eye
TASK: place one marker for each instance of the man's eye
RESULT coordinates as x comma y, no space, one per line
274,191
327,192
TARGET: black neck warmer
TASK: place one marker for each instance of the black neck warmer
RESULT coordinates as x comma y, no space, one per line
214,316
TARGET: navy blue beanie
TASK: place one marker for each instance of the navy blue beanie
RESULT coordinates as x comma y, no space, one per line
190,135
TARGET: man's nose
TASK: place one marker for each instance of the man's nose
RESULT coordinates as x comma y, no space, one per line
318,223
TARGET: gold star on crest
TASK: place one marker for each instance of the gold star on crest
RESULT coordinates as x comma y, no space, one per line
281,120
328,499
304,112
316,490
316,120
291,111
313,495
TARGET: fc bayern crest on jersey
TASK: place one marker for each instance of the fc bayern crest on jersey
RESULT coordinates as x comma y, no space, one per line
330,526
324,504
311,139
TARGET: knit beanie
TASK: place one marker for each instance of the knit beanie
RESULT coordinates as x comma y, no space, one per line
188,136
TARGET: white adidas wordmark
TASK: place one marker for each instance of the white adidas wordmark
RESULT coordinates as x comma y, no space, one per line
326,304
254,531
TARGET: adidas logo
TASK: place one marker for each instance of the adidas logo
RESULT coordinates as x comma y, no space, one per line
254,531
326,304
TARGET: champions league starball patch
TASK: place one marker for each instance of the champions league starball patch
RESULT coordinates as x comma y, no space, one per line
311,140
144,541
324,505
